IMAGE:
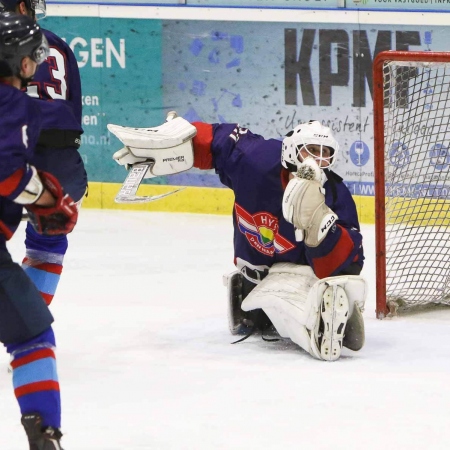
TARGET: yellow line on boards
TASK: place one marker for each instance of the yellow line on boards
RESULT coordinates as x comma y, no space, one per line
201,200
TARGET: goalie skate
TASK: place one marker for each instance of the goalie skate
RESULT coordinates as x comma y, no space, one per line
334,311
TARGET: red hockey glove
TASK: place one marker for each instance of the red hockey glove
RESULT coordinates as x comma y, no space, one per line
52,220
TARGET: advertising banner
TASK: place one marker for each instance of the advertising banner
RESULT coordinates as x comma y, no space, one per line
120,67
265,76
270,77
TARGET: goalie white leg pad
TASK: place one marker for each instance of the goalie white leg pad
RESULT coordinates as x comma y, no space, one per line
284,295
289,326
355,287
354,332
334,312
295,301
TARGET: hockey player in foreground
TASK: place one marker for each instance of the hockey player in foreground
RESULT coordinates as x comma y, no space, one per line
297,244
25,321
56,90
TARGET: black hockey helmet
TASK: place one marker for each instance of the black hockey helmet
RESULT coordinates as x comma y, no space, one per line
20,36
37,8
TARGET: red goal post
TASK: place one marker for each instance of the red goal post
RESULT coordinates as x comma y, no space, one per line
411,104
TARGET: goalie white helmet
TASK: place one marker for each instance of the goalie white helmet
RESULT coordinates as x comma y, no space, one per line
312,132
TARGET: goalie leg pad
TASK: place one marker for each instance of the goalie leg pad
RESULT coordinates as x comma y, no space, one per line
355,289
312,313
354,336
285,296
334,312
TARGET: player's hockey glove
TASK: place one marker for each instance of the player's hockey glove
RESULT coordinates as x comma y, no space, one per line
53,220
304,205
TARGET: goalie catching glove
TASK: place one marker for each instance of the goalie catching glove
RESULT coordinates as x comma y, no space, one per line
57,219
304,204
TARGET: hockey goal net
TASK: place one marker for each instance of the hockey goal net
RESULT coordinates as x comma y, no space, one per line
412,179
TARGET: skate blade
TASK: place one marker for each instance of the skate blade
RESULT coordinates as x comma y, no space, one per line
334,311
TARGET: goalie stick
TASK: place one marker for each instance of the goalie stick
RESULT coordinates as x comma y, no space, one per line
127,193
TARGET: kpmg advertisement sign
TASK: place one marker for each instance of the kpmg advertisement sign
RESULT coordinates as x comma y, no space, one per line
270,77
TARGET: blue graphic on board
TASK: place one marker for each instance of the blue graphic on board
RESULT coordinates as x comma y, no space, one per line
220,59
439,156
196,47
198,88
236,100
359,153
399,154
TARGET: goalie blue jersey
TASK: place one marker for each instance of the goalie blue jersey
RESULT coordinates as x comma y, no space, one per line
19,131
251,166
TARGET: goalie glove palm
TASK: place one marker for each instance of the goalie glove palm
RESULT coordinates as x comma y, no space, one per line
58,219
304,206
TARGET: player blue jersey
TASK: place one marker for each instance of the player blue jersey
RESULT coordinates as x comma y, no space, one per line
58,80
56,90
19,131
251,166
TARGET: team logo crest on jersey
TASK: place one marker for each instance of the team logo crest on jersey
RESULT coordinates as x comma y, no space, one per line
261,231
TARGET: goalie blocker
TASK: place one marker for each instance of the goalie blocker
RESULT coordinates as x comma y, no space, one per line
321,316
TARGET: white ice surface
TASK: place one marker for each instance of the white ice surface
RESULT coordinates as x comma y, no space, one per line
145,360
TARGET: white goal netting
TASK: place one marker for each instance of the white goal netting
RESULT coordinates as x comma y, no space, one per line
417,182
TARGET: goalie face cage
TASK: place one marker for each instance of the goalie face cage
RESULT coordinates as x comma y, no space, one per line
412,179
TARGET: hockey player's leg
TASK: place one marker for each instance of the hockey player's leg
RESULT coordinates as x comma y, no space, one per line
25,329
238,287
239,321
44,256
36,387
43,261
